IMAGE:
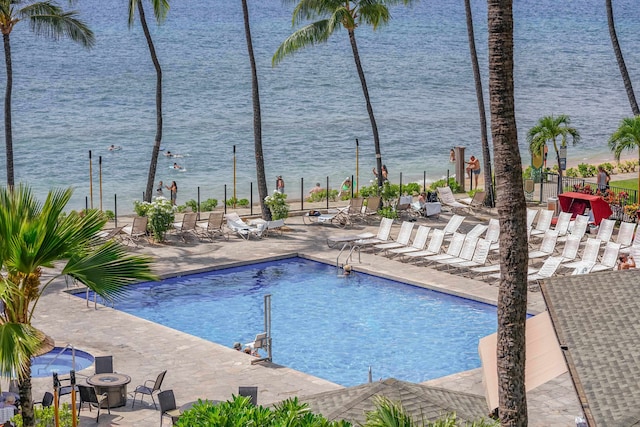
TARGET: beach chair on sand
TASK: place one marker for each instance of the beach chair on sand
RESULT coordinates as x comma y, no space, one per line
371,210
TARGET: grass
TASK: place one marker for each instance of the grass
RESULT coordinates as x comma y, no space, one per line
629,184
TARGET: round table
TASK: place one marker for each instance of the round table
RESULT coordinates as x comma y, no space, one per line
115,385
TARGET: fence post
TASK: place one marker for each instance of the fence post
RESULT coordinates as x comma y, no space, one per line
327,192
115,209
251,198
543,176
225,198
424,180
352,189
198,209
400,183
302,194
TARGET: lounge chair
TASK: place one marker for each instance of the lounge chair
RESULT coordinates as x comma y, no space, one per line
419,242
244,230
589,254
371,210
543,224
334,241
187,225
609,258
475,202
212,228
149,388
625,234
382,237
480,256
356,209
531,216
577,227
635,244
446,198
477,230
134,232
338,217
452,226
453,251
89,396
260,341
106,235
403,239
605,230
570,250
547,246
434,247
403,207
274,227
466,253
562,224
250,392
548,269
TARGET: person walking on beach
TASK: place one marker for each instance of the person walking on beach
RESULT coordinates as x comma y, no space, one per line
603,179
174,192
280,184
473,168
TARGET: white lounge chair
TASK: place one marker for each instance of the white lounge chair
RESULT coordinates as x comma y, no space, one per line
531,216
453,251
577,227
570,250
543,224
382,237
275,226
605,230
562,224
453,224
419,242
434,247
334,241
625,234
244,230
446,198
403,239
338,217
547,246
477,230
589,254
466,253
480,256
635,244
548,269
609,258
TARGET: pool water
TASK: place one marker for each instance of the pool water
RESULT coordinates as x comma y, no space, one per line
60,360
329,326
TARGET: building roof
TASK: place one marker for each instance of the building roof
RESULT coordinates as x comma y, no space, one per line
419,400
597,321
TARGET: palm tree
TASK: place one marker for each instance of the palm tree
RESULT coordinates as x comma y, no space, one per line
45,19
160,9
257,118
627,137
348,14
548,129
512,295
34,236
486,153
620,59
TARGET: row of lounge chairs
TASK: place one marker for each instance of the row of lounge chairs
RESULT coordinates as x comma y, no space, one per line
358,210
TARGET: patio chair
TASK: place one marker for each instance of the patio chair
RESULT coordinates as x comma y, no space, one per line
187,226
453,251
47,400
89,396
548,269
212,228
371,210
356,209
168,407
609,258
250,392
242,229
577,227
605,230
446,198
531,216
475,202
466,253
453,224
419,242
477,230
403,239
134,232
635,244
274,227
260,341
148,389
479,259
103,364
562,224
338,217
382,237
107,235
543,224
589,254
547,246
625,234
570,250
403,207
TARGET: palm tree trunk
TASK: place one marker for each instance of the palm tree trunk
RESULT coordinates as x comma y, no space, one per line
374,127
486,153
257,118
623,68
8,135
156,146
26,399
512,296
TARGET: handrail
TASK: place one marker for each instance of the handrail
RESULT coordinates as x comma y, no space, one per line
73,356
95,300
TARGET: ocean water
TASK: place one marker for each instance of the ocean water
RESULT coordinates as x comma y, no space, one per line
68,100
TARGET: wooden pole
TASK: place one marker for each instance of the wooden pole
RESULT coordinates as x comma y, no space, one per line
74,419
56,399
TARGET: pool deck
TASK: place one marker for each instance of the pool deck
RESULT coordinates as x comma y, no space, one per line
201,369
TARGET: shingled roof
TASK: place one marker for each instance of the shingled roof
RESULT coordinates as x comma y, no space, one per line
419,400
597,321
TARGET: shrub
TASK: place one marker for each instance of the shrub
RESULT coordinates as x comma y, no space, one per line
388,212
109,214
571,173
45,416
411,189
586,170
209,205
161,215
277,204
232,201
141,208
243,202
192,204
608,167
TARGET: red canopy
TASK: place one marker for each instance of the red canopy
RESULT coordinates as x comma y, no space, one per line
576,203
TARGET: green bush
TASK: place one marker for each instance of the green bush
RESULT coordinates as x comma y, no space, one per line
240,412
141,208
232,201
586,170
161,215
192,204
388,212
453,184
608,167
109,214
571,173
45,416
411,189
209,205
277,204
243,203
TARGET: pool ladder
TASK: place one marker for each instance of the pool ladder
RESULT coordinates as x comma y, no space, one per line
352,247
73,357
105,301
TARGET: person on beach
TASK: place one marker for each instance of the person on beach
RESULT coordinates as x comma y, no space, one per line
452,156
345,187
159,189
315,189
473,168
385,173
280,184
626,262
603,179
174,192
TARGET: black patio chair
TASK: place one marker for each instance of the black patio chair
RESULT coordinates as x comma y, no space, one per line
47,400
168,406
89,396
104,364
148,390
250,392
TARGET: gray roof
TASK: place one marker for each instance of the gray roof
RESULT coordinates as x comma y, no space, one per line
419,400
597,317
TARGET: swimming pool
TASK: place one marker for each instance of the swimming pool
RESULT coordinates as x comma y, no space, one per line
60,360
328,326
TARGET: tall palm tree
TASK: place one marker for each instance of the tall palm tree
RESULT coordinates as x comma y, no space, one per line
160,9
257,118
486,153
627,137
45,19
620,59
512,295
34,236
333,15
549,129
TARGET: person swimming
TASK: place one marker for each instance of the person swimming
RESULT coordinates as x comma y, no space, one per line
168,154
177,166
114,147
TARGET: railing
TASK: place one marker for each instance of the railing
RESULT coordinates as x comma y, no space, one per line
73,357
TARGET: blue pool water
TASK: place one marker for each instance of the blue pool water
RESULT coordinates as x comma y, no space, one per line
60,360
328,326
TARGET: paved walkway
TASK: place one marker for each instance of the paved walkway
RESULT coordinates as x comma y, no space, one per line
202,369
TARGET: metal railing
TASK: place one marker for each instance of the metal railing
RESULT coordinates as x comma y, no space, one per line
73,357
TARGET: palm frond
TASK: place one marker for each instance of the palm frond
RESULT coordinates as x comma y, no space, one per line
160,9
311,9
374,13
626,137
133,4
317,32
388,414
49,20
107,269
18,342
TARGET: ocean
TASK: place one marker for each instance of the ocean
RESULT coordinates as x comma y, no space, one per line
68,101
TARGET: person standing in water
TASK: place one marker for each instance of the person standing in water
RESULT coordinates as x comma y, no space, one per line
174,192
